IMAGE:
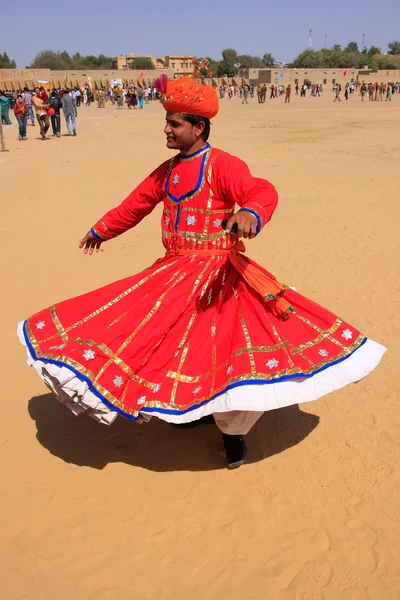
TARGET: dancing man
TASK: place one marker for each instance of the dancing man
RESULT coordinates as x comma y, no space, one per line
204,331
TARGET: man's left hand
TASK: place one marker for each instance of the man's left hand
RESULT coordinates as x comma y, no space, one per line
246,224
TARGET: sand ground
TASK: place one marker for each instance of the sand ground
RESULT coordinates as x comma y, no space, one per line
144,513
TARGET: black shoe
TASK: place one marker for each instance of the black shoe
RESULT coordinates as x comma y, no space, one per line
235,449
202,421
74,132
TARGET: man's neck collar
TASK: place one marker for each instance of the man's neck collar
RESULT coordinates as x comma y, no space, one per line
200,150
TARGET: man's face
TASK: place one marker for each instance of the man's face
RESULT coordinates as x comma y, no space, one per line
181,135
37,91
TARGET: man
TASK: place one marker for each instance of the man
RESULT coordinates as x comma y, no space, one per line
288,92
69,109
338,89
77,96
388,93
41,107
381,91
55,104
5,108
203,331
363,90
27,98
263,93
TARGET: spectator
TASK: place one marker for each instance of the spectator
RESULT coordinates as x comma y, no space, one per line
27,97
70,112
41,107
55,103
5,107
21,112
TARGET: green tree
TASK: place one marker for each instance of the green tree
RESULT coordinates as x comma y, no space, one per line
47,59
374,50
229,59
309,59
268,60
394,47
142,63
256,64
351,47
337,47
6,62
245,60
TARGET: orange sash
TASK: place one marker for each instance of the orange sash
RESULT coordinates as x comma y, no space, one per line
269,288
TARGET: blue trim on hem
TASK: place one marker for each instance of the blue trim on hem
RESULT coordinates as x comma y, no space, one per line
195,153
96,235
252,382
257,216
191,408
79,376
200,179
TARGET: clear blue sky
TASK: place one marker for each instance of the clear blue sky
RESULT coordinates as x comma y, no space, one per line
201,28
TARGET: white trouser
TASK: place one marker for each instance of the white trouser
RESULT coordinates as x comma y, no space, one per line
237,422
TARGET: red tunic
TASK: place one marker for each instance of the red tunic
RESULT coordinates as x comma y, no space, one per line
188,336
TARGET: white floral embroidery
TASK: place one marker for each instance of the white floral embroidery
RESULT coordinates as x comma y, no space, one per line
323,353
175,179
118,381
217,223
197,390
272,363
40,325
347,334
167,220
191,219
142,400
156,388
229,370
88,354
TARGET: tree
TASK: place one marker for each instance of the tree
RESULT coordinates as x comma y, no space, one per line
6,62
268,60
229,59
351,47
309,59
245,60
337,47
374,50
394,47
47,59
142,63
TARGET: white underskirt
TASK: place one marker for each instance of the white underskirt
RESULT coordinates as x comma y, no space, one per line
77,396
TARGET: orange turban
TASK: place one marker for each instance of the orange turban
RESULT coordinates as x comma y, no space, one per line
184,95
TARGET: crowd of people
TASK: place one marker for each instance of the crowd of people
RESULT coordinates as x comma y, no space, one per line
47,107
42,106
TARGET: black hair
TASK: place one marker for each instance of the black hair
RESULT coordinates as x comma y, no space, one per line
194,119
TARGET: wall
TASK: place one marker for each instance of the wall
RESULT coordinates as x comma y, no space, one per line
18,78
323,76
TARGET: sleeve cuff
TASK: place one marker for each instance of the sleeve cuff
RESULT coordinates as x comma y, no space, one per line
96,235
256,215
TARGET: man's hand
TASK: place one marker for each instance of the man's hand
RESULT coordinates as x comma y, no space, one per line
246,224
90,242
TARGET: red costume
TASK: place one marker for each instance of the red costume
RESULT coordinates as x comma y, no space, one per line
193,334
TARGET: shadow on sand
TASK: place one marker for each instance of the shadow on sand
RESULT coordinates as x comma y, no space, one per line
157,446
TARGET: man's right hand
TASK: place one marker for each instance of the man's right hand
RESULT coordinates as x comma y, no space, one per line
90,243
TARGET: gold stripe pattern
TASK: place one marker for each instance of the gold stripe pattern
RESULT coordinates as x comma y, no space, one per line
245,330
60,329
114,300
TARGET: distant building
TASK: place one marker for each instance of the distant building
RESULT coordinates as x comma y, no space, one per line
123,62
180,64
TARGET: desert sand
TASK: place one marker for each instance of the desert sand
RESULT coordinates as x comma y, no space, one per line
149,512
